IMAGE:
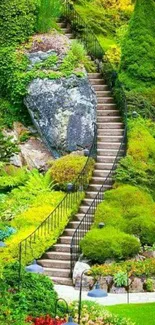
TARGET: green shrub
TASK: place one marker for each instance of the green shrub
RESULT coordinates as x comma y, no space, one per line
10,114
109,215
11,176
123,208
137,64
149,285
138,167
17,20
7,148
49,11
143,227
100,244
134,268
36,297
66,169
26,222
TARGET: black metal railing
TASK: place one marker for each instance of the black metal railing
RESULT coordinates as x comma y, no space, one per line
84,33
64,208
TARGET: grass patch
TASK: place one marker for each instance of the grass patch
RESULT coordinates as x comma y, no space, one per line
141,314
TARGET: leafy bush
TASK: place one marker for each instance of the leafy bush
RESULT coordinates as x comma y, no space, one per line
95,314
49,11
6,232
144,228
138,167
123,208
11,176
36,297
17,20
66,169
28,221
137,64
7,148
134,268
100,244
121,279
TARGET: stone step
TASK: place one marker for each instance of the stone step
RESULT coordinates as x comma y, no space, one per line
94,75
108,145
69,231
103,112
54,263
65,239
103,166
97,187
101,180
91,194
66,30
87,201
107,152
106,159
73,224
106,99
58,255
97,81
83,208
110,138
61,24
110,125
62,281
106,106
105,119
102,173
103,93
69,35
100,87
109,132
63,273
62,248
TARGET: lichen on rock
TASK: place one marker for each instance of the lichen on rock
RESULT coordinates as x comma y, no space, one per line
63,111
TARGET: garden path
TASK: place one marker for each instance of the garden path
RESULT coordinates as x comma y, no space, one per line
70,294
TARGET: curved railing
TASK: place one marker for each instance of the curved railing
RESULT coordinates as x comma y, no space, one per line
54,219
94,49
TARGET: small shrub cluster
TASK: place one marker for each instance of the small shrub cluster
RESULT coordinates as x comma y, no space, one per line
17,20
36,297
93,313
125,218
101,244
7,147
138,167
48,12
66,170
134,268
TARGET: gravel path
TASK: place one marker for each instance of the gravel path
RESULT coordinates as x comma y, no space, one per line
70,294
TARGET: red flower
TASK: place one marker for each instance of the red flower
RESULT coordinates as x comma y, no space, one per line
47,320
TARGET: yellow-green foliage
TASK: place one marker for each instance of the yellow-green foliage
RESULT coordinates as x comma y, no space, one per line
138,167
28,221
114,55
129,209
109,242
141,144
67,168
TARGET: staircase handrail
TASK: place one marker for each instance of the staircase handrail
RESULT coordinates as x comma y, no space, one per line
54,218
94,49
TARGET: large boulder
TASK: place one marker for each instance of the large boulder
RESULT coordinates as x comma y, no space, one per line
63,111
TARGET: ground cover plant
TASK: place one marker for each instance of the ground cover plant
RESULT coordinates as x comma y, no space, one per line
138,313
93,313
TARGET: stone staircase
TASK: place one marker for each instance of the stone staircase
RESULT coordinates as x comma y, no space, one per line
56,261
